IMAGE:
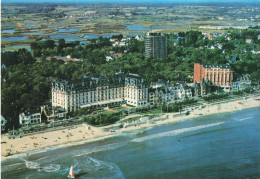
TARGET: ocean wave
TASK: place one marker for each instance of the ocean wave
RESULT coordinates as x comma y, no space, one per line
48,168
175,132
103,168
245,118
51,168
32,165
89,167
98,163
12,167
100,149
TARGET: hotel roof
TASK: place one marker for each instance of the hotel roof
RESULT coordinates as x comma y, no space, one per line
222,66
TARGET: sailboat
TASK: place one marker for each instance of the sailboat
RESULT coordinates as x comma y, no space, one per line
71,174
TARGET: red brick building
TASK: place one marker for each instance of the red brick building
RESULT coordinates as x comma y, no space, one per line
219,75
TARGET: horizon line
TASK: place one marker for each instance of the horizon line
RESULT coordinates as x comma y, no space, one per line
130,2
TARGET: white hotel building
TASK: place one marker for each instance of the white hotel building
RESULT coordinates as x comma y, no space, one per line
100,91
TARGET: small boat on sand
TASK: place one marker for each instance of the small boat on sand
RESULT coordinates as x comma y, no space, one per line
71,174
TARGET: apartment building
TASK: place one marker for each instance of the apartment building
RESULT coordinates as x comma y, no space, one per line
219,75
155,45
25,119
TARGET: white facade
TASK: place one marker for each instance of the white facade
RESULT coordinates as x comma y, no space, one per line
136,96
29,119
104,90
242,83
179,92
169,94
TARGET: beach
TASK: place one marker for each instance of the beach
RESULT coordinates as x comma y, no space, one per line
85,133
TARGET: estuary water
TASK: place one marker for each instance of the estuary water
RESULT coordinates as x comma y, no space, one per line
217,146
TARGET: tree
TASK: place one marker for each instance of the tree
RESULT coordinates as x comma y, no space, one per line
136,46
9,58
48,44
119,37
61,43
35,46
25,57
43,58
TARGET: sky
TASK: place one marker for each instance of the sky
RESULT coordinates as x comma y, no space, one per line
131,1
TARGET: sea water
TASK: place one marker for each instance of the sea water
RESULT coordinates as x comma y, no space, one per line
216,146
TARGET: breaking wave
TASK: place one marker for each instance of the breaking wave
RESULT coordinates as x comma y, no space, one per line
32,165
94,168
245,118
99,149
175,132
51,168
48,168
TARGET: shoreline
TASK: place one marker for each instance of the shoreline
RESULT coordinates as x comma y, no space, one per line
84,134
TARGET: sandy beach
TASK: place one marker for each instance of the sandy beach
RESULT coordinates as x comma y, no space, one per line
85,133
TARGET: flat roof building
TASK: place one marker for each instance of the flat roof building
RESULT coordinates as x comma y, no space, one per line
219,75
155,45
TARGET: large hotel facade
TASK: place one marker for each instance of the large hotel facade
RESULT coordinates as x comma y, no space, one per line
219,75
96,91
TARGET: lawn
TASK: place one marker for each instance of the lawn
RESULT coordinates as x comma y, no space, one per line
157,111
130,119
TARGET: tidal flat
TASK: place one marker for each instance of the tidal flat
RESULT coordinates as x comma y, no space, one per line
26,23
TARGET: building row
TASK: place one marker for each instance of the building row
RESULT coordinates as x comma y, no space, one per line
131,89
45,114
119,88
